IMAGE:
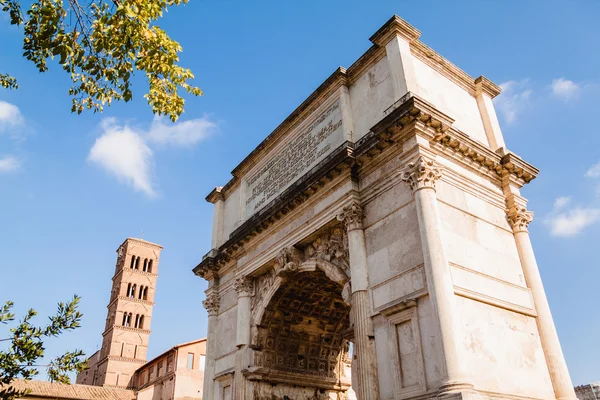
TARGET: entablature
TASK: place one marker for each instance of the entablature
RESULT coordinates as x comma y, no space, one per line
408,117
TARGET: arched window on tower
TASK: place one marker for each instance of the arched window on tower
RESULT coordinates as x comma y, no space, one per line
137,320
132,294
124,319
141,292
137,262
129,290
132,262
145,293
150,266
128,322
145,265
141,322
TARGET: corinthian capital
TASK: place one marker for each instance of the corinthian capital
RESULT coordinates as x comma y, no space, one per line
352,216
519,218
244,286
421,174
212,304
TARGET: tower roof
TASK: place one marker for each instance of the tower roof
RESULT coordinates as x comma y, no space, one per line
142,242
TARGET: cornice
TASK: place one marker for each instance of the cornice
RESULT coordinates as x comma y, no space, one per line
515,165
440,64
500,163
395,26
409,111
484,85
215,195
166,376
117,358
125,298
342,77
125,328
133,270
327,170
371,57
336,80
143,242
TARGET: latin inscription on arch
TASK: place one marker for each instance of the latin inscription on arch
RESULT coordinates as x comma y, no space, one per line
296,158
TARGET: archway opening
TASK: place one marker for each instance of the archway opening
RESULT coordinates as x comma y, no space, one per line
303,334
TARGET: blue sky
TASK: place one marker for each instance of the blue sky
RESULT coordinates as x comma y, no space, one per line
73,187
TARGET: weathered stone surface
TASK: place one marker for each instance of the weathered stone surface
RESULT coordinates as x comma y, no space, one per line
384,212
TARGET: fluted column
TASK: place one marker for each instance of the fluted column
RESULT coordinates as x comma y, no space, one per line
519,219
364,364
244,286
422,176
211,304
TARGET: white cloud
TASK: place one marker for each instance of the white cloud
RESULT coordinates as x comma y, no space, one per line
565,222
594,171
572,222
565,88
9,164
186,133
123,153
514,97
561,202
10,116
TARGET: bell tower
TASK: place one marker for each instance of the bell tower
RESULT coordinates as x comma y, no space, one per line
127,330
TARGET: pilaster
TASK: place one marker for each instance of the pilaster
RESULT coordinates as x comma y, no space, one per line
216,197
396,36
346,109
485,91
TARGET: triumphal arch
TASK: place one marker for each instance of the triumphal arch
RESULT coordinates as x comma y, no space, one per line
377,240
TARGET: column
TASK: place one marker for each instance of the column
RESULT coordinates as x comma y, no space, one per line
364,345
519,219
211,304
422,176
244,286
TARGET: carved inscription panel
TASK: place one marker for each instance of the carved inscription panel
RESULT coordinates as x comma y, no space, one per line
311,145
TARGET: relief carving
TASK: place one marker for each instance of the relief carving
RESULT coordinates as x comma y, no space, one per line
519,218
352,216
302,328
244,286
421,174
267,391
332,247
263,283
288,261
212,304
327,257
347,293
